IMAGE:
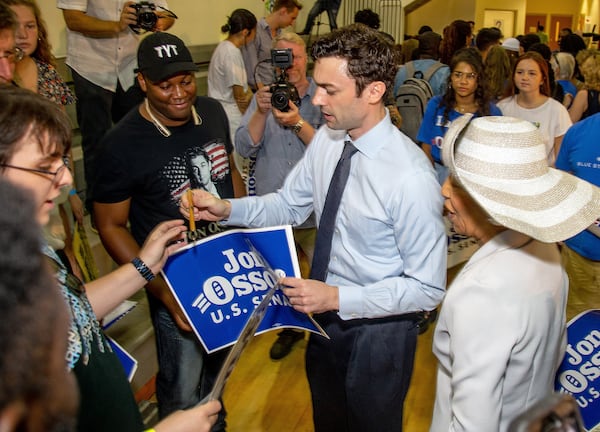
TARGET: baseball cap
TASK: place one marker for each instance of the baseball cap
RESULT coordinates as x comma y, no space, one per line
511,44
162,55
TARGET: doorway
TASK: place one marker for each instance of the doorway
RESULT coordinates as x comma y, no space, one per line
531,23
558,22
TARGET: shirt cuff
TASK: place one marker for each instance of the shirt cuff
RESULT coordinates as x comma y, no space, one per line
350,302
236,214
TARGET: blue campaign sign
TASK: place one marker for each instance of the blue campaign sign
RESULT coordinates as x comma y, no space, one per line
219,281
130,364
580,369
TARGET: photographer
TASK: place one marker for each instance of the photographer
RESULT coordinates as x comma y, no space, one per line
277,140
257,53
101,53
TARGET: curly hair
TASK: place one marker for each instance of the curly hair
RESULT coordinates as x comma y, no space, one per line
26,113
367,17
29,298
482,97
542,64
369,55
589,64
455,38
43,51
498,70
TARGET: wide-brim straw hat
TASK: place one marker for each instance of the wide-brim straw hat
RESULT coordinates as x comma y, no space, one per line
502,164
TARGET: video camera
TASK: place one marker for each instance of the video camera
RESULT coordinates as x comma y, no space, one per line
282,91
146,17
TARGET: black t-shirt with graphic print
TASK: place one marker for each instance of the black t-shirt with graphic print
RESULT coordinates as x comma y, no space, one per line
138,162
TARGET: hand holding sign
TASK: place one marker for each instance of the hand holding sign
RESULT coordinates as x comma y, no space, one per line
219,281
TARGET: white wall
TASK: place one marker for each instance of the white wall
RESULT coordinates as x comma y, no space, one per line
199,21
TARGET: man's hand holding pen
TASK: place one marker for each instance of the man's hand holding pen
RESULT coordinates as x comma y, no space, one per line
204,206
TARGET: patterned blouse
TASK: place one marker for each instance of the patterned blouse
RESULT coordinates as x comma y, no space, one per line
51,85
84,329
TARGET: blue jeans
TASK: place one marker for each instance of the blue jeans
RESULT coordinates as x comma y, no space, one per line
186,372
331,6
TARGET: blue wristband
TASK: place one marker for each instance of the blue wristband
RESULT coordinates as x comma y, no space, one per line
72,192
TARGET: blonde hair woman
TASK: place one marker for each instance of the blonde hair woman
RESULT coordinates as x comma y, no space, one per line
587,100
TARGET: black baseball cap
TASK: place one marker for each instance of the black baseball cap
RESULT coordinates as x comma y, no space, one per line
162,55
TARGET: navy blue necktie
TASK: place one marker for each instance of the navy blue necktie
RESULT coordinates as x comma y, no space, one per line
320,262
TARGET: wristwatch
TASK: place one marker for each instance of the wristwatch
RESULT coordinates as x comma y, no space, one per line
296,128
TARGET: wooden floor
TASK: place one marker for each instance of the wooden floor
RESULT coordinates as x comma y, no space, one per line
263,395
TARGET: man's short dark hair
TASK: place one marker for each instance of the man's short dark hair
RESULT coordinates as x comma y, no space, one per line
572,43
486,37
543,49
423,29
529,39
8,20
290,5
370,57
367,17
429,45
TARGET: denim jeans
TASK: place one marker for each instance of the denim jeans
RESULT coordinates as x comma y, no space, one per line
331,6
186,372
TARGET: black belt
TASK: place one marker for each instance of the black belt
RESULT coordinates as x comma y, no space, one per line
328,317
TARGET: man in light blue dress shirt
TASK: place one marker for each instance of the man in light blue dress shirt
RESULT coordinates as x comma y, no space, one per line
388,255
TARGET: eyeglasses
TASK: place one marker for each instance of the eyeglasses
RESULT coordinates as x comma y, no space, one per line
470,76
15,55
55,175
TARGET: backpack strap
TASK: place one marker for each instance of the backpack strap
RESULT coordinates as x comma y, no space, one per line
432,70
410,69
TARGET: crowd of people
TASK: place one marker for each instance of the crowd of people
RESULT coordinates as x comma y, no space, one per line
506,139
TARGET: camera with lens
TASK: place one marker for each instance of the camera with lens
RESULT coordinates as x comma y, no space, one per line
282,91
145,15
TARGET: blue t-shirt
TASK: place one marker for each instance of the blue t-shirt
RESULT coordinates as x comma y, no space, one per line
580,155
433,128
568,87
